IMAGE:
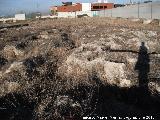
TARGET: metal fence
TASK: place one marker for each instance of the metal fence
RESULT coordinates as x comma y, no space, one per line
144,10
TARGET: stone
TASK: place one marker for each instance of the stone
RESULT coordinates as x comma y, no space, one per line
108,72
148,21
11,53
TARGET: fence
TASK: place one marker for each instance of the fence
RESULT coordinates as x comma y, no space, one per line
144,10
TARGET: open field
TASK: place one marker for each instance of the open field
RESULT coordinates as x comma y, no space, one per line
55,69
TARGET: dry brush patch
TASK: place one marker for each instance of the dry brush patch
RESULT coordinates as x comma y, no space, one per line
53,69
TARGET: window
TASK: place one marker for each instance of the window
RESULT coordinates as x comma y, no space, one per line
105,7
95,7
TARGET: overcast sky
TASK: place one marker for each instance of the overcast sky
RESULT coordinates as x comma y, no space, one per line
16,6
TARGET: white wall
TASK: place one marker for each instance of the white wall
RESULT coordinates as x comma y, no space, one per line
20,16
74,14
89,13
47,16
86,6
7,19
66,14
146,10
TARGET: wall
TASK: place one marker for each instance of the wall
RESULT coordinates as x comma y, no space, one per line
66,14
89,13
74,14
145,10
4,20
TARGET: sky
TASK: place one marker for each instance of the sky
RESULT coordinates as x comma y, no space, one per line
8,7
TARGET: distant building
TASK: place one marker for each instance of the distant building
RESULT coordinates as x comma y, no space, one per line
20,17
67,7
147,1
54,10
38,15
73,7
86,6
118,5
67,3
102,6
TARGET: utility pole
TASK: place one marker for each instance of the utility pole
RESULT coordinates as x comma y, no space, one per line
151,10
138,9
37,5
130,1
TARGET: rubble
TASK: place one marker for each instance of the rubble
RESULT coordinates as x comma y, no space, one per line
14,66
11,53
87,57
154,87
11,87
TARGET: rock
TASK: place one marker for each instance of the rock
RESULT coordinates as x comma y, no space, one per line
115,74
90,57
3,61
14,66
126,83
11,53
42,106
155,22
148,21
8,87
65,102
10,70
11,86
154,87
44,35
136,20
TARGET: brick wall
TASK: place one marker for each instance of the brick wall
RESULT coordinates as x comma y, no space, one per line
70,8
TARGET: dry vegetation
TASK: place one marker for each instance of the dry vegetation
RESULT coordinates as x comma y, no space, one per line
56,69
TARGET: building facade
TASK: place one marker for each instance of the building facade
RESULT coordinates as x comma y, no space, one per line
67,8
20,17
101,6
70,8
82,7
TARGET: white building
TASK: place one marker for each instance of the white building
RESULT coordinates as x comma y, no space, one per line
20,16
86,6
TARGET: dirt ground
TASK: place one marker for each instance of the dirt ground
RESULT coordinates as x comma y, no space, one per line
71,68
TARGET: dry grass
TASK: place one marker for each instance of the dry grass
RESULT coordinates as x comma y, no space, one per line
53,68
